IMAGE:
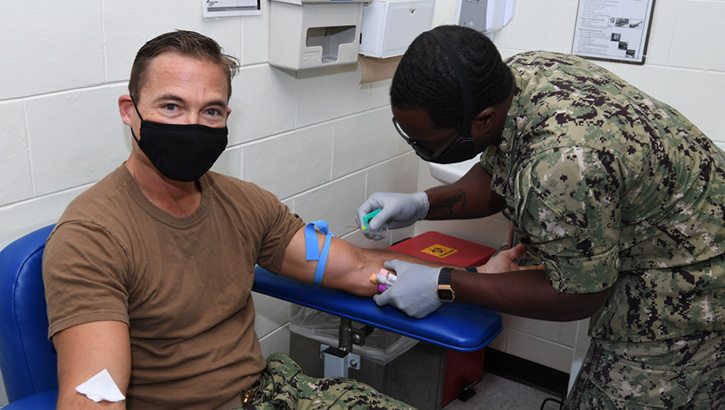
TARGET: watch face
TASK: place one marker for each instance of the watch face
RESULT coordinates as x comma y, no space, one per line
445,294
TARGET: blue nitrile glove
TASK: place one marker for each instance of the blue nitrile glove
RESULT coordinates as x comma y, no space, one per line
415,292
398,210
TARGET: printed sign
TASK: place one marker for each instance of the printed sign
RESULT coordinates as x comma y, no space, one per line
230,8
613,30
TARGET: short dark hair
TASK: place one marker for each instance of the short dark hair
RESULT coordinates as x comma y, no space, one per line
185,43
425,80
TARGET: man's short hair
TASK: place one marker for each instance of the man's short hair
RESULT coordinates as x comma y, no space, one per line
425,80
185,43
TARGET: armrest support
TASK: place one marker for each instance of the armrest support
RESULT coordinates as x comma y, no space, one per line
455,326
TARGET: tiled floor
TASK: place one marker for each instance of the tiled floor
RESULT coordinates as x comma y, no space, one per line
497,393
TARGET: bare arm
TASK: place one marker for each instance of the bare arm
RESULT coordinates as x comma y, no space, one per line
524,293
500,285
469,197
348,267
83,351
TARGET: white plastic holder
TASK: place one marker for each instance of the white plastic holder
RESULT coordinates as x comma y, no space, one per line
306,34
388,27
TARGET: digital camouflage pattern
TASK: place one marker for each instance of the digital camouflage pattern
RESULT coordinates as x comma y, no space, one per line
285,387
684,373
613,189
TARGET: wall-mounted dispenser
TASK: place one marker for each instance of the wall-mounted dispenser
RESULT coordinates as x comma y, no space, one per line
314,33
388,27
486,16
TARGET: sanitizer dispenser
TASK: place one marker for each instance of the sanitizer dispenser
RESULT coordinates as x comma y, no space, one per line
307,34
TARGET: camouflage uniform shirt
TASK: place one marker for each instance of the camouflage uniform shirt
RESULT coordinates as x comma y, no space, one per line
613,189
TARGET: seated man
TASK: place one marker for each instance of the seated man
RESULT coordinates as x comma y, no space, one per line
148,274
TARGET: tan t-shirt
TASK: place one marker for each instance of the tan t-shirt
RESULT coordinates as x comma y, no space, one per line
182,284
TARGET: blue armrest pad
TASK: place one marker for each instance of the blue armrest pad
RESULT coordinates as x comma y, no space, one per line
39,401
455,326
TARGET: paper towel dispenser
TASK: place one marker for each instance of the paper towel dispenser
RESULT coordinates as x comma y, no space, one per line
486,16
308,34
388,27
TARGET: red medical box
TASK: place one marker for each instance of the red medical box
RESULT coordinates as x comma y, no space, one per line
442,248
462,368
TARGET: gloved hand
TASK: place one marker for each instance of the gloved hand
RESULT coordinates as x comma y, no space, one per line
398,210
415,290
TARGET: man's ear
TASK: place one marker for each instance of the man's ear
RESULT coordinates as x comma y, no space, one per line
125,107
485,120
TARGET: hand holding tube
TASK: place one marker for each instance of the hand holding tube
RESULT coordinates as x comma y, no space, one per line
397,210
414,291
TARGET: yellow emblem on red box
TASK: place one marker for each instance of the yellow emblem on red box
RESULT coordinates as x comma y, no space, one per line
439,251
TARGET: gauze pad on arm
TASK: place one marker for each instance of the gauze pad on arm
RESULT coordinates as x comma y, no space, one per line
101,387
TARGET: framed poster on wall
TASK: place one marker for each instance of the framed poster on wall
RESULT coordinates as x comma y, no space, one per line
230,8
613,30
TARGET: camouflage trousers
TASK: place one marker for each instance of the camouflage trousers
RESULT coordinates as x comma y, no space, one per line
682,373
285,387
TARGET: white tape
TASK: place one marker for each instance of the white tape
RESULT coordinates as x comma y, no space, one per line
101,387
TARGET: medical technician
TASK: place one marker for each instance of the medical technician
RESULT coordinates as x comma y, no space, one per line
618,195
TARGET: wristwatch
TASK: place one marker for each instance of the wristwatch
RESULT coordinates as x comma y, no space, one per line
445,291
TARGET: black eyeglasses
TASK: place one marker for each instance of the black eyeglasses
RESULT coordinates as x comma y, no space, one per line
423,152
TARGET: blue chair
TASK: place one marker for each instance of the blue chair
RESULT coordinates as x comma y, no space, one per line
27,358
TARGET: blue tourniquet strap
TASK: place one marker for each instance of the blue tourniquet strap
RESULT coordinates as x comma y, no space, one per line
313,253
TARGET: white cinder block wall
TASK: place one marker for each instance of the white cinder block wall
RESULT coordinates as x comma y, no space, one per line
318,140
685,67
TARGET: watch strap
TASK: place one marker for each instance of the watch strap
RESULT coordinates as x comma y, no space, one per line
444,278
445,291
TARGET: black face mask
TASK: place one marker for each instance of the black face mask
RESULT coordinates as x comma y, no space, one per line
461,147
181,152
457,149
